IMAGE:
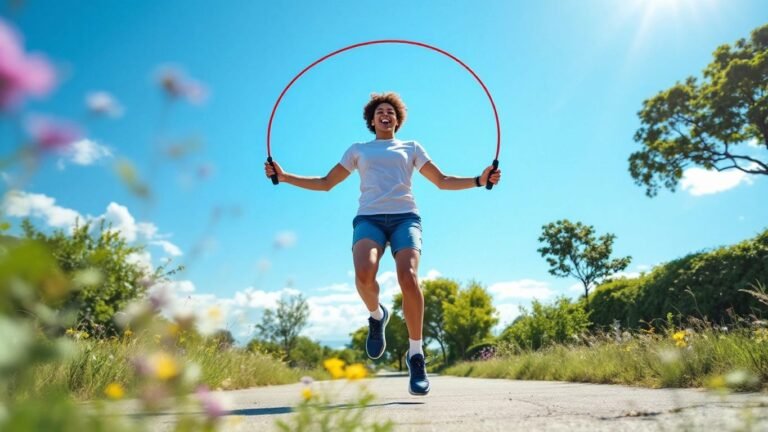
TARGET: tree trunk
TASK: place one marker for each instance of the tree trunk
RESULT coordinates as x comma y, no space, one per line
586,297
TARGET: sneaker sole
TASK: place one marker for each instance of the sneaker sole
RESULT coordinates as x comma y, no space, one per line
384,340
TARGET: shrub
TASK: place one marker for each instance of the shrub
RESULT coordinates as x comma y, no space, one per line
560,322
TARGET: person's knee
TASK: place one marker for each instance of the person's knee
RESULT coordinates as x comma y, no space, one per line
407,278
365,273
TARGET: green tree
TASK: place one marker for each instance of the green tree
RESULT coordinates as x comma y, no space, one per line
469,319
436,293
101,268
284,324
707,123
571,249
306,353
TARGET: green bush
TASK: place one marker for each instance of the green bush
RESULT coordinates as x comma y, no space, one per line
104,275
545,325
706,285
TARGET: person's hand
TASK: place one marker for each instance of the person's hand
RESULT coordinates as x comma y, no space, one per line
269,171
495,177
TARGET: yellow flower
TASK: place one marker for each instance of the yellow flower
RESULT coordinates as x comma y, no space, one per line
717,382
114,391
306,393
164,366
70,331
679,338
335,367
128,333
356,371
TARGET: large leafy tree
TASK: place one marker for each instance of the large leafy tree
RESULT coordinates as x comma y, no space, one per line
283,324
469,319
572,250
708,123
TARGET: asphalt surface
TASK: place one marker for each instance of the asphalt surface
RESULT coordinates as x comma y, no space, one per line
474,404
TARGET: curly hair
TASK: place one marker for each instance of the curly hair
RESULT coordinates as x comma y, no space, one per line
378,99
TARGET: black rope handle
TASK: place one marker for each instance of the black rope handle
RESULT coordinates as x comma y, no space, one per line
488,184
273,176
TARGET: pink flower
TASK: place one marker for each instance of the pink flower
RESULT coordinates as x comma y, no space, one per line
178,86
212,406
52,135
21,74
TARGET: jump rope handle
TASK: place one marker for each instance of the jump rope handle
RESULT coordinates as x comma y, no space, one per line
273,176
488,184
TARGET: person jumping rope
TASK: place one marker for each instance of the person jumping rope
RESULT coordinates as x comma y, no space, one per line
388,215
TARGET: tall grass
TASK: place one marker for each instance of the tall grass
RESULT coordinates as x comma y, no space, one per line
97,363
682,358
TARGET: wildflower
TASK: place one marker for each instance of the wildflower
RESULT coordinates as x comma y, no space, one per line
70,332
114,391
103,103
127,333
164,366
212,405
306,393
306,380
335,367
52,135
679,338
21,74
177,86
717,382
355,372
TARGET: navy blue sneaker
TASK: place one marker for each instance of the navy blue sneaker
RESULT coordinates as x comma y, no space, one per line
418,384
376,343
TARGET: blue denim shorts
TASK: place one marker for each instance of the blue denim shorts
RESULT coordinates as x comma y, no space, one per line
399,231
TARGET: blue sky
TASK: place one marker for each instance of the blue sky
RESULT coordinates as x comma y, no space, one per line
568,78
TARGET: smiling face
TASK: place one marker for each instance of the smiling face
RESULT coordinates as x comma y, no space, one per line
384,114
385,119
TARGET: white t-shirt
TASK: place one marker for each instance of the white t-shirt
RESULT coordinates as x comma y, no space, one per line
385,167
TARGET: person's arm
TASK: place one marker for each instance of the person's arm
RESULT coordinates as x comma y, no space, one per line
335,176
443,181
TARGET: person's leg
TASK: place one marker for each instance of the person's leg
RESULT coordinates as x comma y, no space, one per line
406,246
407,263
366,254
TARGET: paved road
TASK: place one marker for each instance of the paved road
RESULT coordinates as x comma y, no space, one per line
473,404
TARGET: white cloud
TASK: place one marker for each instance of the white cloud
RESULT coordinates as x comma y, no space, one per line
253,298
169,248
507,313
85,152
625,275
23,204
521,289
753,143
432,275
285,239
121,220
698,181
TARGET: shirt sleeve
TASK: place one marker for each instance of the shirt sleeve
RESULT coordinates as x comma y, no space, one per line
420,156
350,157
